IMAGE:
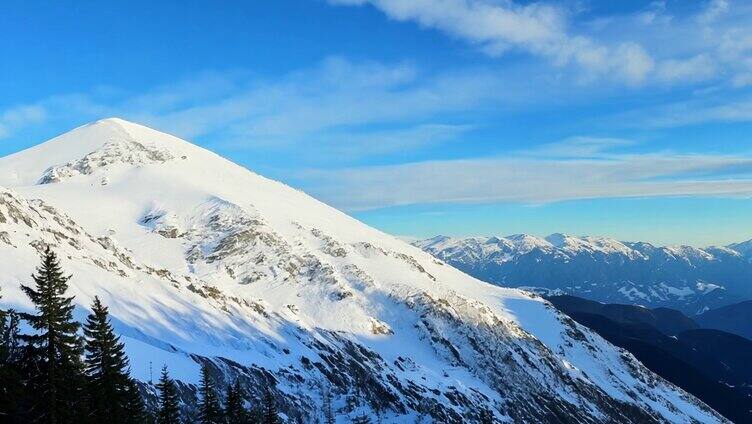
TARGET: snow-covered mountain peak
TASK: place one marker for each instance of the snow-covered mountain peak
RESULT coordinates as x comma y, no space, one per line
94,135
745,247
516,244
561,240
114,120
528,242
91,148
591,244
201,260
689,252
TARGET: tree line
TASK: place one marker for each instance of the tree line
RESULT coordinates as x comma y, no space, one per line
58,371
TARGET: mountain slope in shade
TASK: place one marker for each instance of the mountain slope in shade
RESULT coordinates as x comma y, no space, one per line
668,321
675,362
203,261
714,365
736,319
682,277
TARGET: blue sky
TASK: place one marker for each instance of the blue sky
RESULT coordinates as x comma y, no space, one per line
460,117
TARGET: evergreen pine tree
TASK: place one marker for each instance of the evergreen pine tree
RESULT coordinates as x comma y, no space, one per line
191,415
235,411
8,335
11,385
135,411
210,410
55,348
169,408
269,409
106,367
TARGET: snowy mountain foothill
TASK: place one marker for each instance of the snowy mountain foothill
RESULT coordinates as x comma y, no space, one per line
686,278
202,261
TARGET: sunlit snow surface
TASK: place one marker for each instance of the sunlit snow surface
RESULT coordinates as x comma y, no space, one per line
195,255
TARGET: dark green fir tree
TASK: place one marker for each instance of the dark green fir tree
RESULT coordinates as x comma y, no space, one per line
269,413
235,411
209,408
135,411
53,351
106,367
169,403
11,378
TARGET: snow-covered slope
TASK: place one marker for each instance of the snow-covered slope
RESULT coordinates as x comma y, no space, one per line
744,248
607,270
201,260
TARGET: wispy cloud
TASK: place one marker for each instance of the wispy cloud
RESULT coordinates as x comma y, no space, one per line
589,170
336,107
347,110
18,117
538,28
704,110
358,143
647,46
579,147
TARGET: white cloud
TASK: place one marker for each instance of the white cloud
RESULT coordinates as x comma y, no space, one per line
686,113
538,28
579,147
337,107
697,68
348,145
648,46
534,180
18,117
346,110
713,11
632,62
493,25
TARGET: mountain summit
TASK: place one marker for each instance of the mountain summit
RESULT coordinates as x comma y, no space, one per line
204,262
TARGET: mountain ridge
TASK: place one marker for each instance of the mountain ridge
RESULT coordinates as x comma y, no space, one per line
201,261
712,364
604,269
568,240
734,318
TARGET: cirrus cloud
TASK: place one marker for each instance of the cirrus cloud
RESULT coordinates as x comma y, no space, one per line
646,46
577,168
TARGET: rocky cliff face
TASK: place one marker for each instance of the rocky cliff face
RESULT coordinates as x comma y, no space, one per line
202,261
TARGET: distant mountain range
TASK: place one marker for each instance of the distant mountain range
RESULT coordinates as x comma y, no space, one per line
681,277
714,365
